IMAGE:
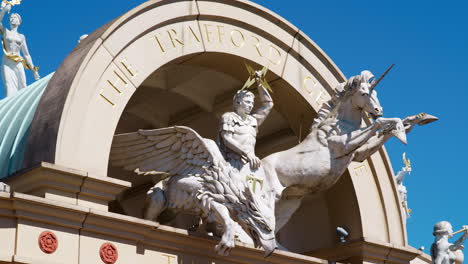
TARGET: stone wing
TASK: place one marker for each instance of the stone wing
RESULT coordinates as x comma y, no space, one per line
174,150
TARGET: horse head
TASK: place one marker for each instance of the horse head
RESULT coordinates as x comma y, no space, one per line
363,94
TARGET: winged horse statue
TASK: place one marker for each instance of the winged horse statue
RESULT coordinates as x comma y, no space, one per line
337,137
200,181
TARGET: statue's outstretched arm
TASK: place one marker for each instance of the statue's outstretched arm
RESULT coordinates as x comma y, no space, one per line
28,59
4,8
459,243
267,103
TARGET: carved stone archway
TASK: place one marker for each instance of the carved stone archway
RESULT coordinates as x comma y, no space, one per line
87,97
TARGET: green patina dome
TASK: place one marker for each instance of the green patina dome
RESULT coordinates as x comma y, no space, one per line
16,115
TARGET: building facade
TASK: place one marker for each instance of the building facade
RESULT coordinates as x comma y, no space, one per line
168,63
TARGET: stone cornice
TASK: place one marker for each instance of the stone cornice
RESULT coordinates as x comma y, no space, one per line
369,250
425,257
68,185
145,234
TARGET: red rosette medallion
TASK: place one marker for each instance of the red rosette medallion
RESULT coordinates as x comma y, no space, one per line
108,253
48,242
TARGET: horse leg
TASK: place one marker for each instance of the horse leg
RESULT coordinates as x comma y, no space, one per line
370,147
343,145
377,141
284,209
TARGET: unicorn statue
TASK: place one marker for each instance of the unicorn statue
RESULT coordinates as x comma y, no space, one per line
337,137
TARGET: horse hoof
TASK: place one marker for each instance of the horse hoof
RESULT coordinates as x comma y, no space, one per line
420,119
426,119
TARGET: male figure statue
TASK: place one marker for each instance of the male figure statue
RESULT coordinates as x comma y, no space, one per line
444,252
238,129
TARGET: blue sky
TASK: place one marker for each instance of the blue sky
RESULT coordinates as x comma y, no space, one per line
427,40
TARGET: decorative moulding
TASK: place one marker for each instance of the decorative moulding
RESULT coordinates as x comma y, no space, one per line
368,250
48,242
67,185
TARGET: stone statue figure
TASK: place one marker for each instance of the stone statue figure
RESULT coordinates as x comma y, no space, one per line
261,199
399,177
13,64
222,183
238,129
444,252
337,137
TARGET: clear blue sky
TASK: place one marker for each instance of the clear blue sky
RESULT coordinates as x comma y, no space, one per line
427,40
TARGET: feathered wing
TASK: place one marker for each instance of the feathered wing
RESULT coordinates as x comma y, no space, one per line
182,151
174,150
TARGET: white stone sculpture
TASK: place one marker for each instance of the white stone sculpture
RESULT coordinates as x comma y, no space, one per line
219,186
13,64
444,252
238,129
399,177
4,187
201,180
82,37
336,138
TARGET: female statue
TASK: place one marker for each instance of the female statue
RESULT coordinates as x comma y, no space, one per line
13,64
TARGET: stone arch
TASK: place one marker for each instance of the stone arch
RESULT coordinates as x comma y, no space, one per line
84,101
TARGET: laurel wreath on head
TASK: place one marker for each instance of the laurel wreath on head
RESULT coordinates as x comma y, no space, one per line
251,80
12,2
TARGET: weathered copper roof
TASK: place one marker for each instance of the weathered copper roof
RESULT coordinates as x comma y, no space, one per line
16,115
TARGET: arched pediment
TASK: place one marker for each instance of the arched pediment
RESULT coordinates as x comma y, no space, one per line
178,62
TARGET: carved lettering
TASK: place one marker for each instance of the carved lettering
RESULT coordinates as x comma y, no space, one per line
214,33
171,259
117,81
115,84
256,43
271,56
105,98
129,68
320,99
208,32
155,37
241,36
306,87
360,171
193,34
173,36
220,33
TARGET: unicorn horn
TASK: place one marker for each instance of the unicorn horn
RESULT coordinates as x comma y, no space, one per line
380,78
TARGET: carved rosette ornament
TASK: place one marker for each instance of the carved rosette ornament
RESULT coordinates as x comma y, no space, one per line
108,253
48,242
